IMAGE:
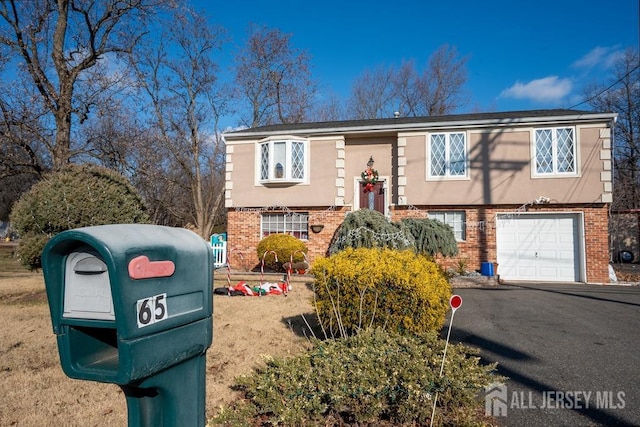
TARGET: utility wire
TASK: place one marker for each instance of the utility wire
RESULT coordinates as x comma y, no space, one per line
606,89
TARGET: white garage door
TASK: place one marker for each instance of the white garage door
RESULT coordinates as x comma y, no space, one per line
538,247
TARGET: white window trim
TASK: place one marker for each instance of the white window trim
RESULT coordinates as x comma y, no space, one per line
285,214
463,228
576,145
428,175
283,181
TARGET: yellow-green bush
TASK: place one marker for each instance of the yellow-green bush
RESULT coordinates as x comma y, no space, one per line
400,290
284,245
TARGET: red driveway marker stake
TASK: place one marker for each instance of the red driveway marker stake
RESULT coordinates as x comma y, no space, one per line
455,302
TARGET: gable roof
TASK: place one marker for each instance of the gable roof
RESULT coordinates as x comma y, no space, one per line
494,119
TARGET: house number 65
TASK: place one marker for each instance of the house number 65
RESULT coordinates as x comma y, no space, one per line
151,310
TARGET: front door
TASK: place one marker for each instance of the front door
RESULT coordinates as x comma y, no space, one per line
373,199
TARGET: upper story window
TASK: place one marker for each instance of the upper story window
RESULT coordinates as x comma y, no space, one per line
283,161
447,155
554,152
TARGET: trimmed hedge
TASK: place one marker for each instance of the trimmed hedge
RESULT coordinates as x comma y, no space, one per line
78,196
398,290
284,245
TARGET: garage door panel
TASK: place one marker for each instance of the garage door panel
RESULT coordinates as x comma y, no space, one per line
548,273
565,256
525,271
540,247
546,238
566,239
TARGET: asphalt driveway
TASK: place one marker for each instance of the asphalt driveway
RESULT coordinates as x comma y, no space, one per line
571,351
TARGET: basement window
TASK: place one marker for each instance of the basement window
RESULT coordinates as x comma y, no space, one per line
292,223
454,219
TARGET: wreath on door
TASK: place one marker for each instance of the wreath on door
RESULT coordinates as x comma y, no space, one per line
369,178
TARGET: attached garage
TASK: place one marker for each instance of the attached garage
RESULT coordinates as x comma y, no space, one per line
540,247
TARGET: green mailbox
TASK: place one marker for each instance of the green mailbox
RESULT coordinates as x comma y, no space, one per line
131,304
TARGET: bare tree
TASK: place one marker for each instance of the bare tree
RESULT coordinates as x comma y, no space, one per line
437,90
179,81
622,96
440,86
23,133
57,43
371,95
115,136
407,89
273,79
329,109
23,138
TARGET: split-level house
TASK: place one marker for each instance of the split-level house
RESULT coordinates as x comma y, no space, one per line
527,191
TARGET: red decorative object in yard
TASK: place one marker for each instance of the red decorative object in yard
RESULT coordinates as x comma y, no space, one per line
455,302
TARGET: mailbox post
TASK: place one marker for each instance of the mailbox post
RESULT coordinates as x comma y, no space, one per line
131,304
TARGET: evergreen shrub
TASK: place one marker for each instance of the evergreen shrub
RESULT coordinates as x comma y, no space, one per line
284,245
398,290
431,236
366,228
78,196
376,377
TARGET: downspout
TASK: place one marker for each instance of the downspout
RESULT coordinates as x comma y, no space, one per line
613,186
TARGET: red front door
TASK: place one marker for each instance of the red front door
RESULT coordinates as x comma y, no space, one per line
372,199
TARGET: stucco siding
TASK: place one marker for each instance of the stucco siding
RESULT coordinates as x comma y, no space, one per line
320,189
358,152
500,172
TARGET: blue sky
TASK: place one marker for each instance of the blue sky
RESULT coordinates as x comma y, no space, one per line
521,55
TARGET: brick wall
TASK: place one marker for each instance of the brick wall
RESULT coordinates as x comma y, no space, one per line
596,224
243,234
479,246
480,243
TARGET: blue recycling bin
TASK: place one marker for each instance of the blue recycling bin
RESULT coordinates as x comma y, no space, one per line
486,269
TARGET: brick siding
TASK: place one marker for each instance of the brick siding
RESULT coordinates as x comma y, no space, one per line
479,246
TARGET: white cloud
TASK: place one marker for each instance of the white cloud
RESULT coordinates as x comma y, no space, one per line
599,56
547,89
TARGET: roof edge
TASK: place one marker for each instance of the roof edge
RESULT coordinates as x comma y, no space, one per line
415,123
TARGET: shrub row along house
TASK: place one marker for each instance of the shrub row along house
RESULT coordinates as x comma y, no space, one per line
527,190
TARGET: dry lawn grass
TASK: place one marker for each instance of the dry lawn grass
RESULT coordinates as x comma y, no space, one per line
35,391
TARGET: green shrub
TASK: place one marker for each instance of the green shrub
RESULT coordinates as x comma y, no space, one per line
399,290
374,378
432,236
366,228
30,249
78,196
284,245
